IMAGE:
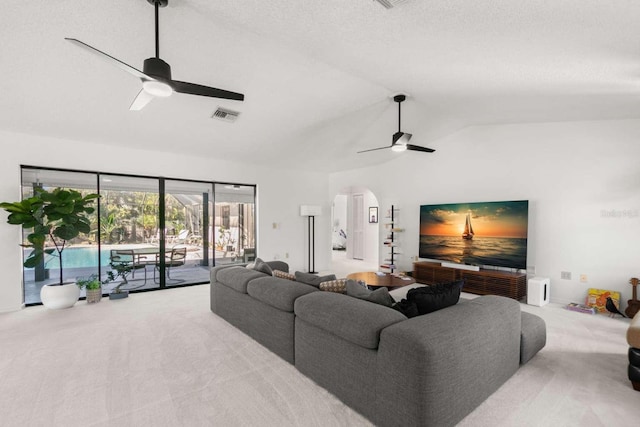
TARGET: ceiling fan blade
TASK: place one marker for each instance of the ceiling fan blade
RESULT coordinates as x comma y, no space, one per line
196,89
419,148
374,149
110,59
142,98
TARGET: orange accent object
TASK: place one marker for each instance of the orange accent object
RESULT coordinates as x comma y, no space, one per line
597,298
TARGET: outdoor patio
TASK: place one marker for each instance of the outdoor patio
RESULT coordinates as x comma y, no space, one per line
192,272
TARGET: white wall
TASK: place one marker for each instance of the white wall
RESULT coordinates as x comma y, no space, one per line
280,193
570,172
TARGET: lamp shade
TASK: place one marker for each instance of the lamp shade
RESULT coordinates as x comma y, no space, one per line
310,210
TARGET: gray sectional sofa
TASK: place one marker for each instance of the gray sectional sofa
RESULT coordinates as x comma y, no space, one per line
430,370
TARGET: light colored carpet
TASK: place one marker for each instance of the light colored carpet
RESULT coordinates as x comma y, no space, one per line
163,359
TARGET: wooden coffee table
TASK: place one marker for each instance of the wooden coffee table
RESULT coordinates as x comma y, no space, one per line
372,279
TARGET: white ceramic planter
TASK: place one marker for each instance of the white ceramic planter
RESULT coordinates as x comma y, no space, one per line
59,296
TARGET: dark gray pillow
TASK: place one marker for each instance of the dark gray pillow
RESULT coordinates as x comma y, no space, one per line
313,279
261,266
379,296
435,297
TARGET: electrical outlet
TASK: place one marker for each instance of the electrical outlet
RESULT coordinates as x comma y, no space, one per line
286,254
583,278
566,275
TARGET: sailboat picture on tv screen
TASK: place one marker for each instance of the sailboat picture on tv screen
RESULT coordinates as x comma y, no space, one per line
490,233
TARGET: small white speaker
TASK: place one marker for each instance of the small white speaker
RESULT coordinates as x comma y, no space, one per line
538,291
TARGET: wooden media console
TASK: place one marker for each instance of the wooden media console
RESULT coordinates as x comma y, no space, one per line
483,282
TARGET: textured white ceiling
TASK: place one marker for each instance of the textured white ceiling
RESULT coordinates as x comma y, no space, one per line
317,75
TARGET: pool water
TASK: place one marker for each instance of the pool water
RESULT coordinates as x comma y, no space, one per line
78,257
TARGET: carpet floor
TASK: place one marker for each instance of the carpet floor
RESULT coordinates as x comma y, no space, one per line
163,359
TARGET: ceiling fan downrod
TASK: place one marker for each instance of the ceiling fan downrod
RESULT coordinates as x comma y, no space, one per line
399,99
158,4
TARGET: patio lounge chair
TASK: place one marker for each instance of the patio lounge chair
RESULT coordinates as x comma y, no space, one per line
181,238
154,240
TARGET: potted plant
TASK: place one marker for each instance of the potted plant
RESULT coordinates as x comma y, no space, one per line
121,270
93,288
56,216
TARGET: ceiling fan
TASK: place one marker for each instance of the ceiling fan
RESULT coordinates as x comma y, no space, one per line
400,139
156,74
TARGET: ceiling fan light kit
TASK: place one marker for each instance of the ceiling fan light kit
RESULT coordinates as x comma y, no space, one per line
156,75
157,88
400,140
399,148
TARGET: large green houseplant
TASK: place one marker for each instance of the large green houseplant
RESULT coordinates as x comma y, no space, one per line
58,215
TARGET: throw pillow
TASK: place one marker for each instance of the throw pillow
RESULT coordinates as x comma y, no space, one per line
435,297
312,279
261,266
284,275
379,296
339,286
406,307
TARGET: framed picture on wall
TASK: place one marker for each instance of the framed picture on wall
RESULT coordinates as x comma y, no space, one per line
373,215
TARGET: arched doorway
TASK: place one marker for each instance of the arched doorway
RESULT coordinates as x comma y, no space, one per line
354,236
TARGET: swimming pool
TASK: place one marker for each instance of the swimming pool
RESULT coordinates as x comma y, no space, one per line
80,257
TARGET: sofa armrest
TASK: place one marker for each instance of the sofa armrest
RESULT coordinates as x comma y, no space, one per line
440,366
278,265
213,273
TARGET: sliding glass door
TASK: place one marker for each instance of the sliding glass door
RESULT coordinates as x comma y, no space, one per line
129,218
234,232
81,258
187,213
170,231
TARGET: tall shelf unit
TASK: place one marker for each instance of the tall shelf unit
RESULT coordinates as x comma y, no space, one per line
391,240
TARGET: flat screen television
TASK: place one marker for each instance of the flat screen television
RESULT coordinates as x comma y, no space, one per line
479,234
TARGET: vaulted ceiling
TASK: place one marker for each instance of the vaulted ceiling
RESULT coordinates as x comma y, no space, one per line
318,76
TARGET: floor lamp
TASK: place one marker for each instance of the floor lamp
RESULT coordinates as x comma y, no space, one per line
311,212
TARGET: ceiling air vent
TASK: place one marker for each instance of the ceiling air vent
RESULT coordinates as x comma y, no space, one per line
392,3
225,115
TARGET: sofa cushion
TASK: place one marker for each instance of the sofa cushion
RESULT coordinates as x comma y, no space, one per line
237,278
284,275
379,296
313,279
260,265
338,285
276,292
351,319
435,297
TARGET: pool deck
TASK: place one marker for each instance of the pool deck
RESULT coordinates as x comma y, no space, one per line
193,272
